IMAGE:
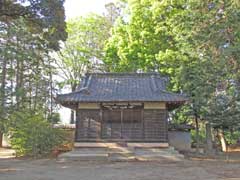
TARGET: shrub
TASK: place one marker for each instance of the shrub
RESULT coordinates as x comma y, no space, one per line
54,118
33,135
232,138
202,136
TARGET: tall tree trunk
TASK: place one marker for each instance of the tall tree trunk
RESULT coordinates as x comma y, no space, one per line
3,84
3,95
19,78
51,94
197,134
222,140
12,85
35,103
3,88
19,83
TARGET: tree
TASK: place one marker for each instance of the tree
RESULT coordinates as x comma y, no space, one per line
216,39
84,49
26,71
139,40
29,30
211,46
193,42
42,16
113,12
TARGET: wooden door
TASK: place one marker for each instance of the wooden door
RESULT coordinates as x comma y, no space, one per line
124,124
111,124
132,127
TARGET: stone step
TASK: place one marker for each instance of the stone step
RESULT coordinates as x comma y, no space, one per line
159,158
148,152
121,158
94,145
158,154
83,157
120,154
151,151
127,150
91,149
7,153
156,150
148,145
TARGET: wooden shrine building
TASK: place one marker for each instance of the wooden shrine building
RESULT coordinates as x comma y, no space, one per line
129,107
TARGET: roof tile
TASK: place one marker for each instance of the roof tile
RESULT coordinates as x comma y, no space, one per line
119,87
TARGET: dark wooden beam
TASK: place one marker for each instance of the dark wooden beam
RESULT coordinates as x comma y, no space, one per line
76,125
121,123
142,120
101,121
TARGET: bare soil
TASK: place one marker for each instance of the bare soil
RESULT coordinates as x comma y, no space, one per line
49,169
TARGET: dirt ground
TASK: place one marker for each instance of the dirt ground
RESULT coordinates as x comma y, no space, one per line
54,170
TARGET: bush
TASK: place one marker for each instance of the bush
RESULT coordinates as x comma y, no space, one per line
33,135
232,138
202,136
54,118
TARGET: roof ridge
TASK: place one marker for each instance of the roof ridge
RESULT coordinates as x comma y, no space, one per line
124,74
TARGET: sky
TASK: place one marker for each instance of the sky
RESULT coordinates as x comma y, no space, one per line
75,8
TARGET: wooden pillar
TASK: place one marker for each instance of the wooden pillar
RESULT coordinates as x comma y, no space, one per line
89,127
76,125
142,120
166,124
121,123
101,121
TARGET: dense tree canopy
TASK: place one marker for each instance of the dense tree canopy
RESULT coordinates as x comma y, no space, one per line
29,30
196,43
41,16
84,49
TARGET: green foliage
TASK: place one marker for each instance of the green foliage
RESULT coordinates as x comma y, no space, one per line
83,49
29,30
201,136
232,137
194,42
144,40
32,135
26,70
42,17
181,115
224,112
54,118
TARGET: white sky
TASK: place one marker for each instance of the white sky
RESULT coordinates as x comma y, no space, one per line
74,8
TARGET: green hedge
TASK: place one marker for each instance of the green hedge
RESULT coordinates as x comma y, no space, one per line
33,135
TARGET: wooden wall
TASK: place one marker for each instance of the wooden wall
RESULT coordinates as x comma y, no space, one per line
88,124
96,125
155,125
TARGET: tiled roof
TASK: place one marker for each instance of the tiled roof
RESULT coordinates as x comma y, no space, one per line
122,87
